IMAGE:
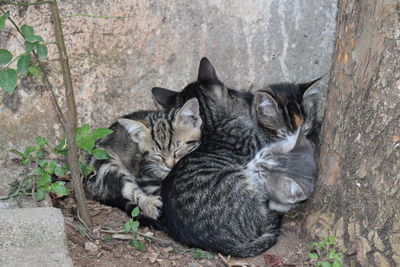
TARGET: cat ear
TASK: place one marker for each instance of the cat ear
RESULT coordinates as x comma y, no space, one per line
304,87
165,97
268,113
188,115
310,95
286,190
136,129
206,71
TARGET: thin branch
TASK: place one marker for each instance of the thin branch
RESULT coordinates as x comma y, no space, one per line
24,54
25,4
96,16
44,77
51,89
72,117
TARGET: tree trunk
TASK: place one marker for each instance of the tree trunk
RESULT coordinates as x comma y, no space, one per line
357,198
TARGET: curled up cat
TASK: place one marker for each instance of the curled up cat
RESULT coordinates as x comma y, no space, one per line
286,170
208,200
144,146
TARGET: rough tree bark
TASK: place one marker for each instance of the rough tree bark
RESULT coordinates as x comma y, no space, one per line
358,194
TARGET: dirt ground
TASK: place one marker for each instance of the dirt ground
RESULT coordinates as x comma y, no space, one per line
104,246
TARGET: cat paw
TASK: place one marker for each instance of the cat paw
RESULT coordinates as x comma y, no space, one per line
151,206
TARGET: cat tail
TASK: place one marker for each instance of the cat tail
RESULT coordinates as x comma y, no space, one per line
256,246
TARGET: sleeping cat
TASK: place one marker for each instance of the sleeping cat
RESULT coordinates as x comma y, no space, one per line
144,146
286,170
208,201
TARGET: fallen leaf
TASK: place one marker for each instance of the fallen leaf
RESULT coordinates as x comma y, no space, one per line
272,260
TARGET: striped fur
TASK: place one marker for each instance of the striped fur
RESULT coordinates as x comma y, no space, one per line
209,200
286,170
144,146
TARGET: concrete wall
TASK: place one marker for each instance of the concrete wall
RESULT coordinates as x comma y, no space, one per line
115,62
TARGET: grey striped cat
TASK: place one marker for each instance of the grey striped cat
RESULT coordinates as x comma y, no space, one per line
144,146
208,201
286,170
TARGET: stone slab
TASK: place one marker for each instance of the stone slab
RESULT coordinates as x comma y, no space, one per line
33,237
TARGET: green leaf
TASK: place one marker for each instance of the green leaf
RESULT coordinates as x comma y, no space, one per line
60,171
5,56
338,257
201,254
27,31
135,212
100,153
59,189
28,150
83,130
331,240
137,244
61,148
127,227
43,163
135,226
25,161
337,264
40,154
34,39
38,171
107,239
39,195
23,64
16,152
8,80
35,71
3,19
325,264
50,168
101,132
41,141
42,51
44,180
86,169
331,254
313,256
87,144
29,47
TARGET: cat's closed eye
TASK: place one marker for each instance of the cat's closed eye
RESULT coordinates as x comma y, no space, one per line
158,157
186,149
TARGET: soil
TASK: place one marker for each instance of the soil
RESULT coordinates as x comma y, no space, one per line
105,248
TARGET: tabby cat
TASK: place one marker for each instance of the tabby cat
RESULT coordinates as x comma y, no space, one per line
208,200
287,169
144,146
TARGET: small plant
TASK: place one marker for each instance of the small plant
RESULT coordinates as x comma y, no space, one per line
45,170
25,66
201,254
132,226
325,254
42,172
85,141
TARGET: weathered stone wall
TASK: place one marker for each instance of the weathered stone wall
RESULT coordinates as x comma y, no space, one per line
115,62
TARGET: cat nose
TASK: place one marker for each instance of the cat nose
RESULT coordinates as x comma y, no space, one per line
169,162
